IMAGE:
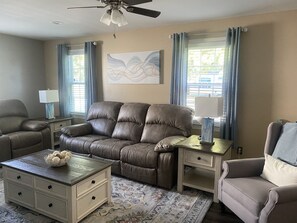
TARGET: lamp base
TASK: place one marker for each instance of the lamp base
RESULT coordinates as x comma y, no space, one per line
207,131
49,111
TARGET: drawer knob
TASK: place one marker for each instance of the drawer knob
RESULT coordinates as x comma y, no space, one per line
93,198
49,187
93,181
20,193
18,177
50,205
198,158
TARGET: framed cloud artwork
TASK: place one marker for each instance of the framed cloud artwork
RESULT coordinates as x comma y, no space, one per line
134,68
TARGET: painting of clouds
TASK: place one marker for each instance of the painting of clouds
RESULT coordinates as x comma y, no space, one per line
134,68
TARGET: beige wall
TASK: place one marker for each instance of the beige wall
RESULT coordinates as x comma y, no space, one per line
267,69
22,71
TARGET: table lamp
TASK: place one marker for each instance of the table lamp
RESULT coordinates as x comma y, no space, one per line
49,97
208,108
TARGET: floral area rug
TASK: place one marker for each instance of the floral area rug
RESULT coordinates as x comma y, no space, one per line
132,202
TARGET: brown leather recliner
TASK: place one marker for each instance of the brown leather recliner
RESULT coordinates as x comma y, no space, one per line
138,138
18,134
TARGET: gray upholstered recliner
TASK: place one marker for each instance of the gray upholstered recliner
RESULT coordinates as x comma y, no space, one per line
18,134
252,198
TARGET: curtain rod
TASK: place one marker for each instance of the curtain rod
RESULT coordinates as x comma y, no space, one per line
80,44
243,29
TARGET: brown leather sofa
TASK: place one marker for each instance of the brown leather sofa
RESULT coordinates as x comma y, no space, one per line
18,134
138,138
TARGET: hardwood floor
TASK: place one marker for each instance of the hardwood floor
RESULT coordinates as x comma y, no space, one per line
214,215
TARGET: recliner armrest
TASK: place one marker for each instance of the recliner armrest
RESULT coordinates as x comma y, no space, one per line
168,144
34,125
77,130
280,199
243,167
284,194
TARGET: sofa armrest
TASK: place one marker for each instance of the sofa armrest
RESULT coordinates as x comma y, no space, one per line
0,132
279,199
34,125
243,167
168,144
77,130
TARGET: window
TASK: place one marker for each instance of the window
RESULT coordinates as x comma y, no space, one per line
77,81
205,68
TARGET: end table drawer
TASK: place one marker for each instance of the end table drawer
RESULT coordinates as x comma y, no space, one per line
91,182
19,177
51,205
200,159
60,125
21,194
50,187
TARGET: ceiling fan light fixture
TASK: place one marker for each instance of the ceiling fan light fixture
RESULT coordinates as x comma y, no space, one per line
116,16
123,21
106,17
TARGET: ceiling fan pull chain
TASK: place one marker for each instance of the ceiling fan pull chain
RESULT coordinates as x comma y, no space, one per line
114,31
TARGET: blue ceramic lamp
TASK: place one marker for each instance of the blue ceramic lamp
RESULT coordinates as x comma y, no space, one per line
208,108
48,97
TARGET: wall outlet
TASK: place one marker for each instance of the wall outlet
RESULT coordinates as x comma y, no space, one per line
239,150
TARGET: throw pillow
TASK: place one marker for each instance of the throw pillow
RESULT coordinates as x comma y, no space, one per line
286,147
279,172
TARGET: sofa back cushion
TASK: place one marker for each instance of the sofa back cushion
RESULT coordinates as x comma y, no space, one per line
103,117
164,120
131,121
12,114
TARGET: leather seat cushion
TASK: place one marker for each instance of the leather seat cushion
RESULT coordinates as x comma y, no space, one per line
109,148
250,192
137,173
23,139
140,154
82,144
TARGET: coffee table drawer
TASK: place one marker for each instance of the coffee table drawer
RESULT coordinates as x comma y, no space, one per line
51,206
19,177
21,194
92,200
91,182
50,187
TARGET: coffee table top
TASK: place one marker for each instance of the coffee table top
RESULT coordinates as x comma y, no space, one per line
77,169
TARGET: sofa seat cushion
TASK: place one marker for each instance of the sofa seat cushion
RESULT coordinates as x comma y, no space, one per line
145,175
109,148
250,192
140,154
23,139
81,144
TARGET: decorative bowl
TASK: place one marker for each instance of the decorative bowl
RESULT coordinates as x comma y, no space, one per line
58,158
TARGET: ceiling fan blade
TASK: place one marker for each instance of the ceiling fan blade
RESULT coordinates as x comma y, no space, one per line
142,11
136,2
86,7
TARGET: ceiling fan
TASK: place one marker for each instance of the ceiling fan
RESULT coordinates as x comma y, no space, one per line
115,15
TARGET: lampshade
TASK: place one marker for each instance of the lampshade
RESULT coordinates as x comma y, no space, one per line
209,106
106,18
114,16
48,96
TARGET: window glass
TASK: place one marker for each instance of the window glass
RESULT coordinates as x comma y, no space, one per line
77,82
205,68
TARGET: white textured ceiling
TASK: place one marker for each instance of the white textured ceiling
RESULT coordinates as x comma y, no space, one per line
34,18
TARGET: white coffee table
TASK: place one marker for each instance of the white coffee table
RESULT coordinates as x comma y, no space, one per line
67,194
